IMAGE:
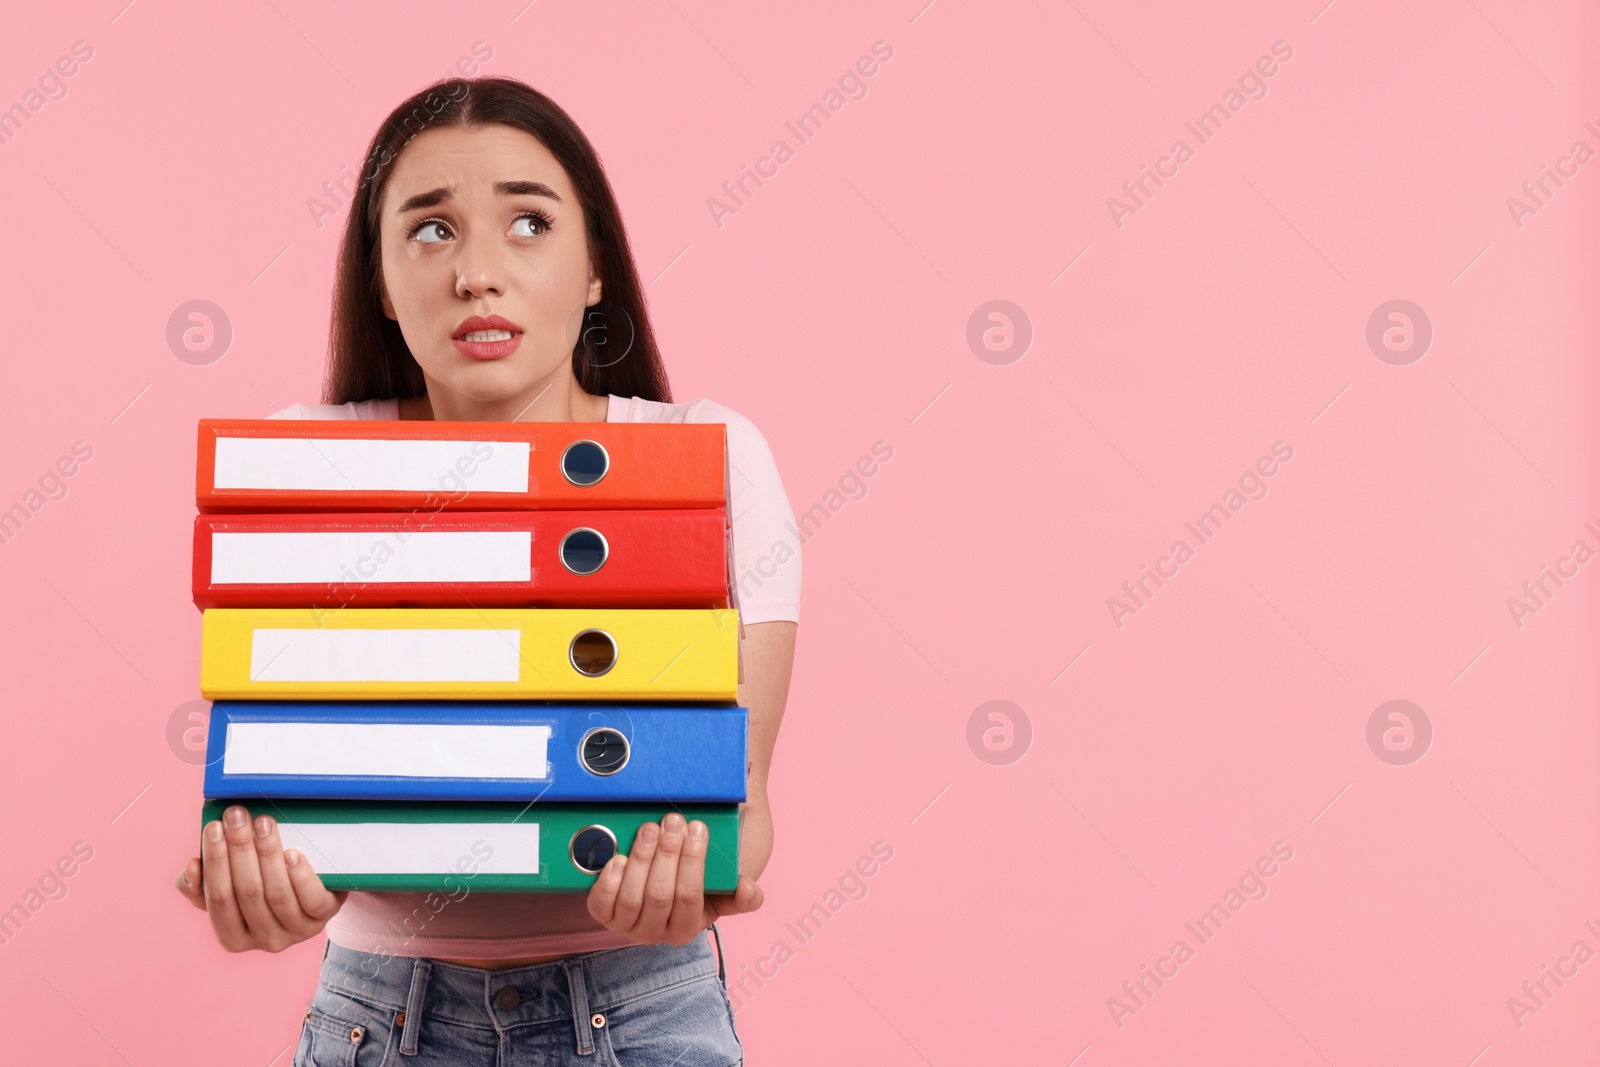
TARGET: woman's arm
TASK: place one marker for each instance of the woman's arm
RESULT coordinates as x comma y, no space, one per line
656,892
768,649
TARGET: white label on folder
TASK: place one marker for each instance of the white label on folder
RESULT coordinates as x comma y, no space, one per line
401,749
415,848
352,464
373,556
310,655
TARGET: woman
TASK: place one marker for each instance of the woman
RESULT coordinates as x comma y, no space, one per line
485,275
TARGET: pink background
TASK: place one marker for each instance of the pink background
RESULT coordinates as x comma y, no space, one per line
1228,313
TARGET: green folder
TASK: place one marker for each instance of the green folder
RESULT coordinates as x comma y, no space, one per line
505,847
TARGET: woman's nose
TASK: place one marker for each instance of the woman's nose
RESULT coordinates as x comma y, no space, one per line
480,269
474,283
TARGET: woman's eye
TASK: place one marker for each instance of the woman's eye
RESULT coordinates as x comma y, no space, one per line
425,227
537,224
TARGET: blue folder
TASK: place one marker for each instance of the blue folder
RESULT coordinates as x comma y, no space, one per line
476,750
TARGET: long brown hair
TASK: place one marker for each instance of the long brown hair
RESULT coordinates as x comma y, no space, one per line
367,355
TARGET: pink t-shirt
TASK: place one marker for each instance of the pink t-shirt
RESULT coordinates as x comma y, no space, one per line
766,565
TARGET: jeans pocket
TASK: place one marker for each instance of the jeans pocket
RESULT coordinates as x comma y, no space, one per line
342,1032
687,1025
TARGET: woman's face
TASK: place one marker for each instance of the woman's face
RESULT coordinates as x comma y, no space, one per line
462,237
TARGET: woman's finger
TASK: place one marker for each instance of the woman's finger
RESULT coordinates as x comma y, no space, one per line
630,897
276,888
217,886
688,906
316,900
747,897
661,885
248,889
188,882
603,894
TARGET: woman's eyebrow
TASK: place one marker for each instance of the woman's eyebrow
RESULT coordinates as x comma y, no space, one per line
448,192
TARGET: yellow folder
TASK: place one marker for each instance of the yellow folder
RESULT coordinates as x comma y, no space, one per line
456,653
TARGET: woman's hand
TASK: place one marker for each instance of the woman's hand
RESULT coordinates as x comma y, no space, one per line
657,893
258,895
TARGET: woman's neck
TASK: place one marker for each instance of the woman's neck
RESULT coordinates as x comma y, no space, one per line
551,404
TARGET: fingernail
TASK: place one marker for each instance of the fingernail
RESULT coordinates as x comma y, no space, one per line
263,825
649,832
291,857
185,876
234,816
697,830
213,831
673,823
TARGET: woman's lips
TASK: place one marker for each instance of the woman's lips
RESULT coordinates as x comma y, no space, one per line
487,349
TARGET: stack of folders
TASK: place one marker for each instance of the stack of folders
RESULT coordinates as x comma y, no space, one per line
481,653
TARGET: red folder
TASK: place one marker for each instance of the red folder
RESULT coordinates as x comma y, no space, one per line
657,558
361,465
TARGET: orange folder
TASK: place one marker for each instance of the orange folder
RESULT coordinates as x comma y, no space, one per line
389,465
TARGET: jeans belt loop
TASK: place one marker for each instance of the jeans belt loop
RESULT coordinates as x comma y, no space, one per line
420,972
580,1007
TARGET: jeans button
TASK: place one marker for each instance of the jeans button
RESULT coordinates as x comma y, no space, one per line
597,1020
508,998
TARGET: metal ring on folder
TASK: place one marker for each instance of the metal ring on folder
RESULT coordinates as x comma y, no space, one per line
584,550
593,656
595,844
584,462
604,751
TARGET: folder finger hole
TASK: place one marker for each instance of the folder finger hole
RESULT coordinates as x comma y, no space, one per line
584,462
584,551
604,751
592,848
593,652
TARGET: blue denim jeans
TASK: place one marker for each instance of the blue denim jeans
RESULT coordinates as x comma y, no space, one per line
639,1006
